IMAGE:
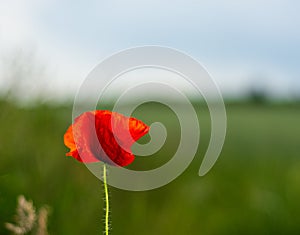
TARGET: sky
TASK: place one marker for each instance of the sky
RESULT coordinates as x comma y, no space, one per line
242,44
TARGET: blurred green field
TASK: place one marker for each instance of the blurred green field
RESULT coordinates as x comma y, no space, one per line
254,188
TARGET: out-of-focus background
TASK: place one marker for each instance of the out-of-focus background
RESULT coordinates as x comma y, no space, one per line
251,49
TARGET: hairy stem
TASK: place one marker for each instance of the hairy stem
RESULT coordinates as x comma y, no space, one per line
106,200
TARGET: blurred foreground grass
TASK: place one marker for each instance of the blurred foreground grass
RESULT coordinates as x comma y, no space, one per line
253,189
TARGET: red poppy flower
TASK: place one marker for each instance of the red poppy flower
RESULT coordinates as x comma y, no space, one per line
105,136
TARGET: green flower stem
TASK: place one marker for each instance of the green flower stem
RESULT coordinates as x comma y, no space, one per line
106,200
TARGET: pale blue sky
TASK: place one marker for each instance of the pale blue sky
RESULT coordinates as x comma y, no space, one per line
241,43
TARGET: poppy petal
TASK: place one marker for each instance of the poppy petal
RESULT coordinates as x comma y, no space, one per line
99,134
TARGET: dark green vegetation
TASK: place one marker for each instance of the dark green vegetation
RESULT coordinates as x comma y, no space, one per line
253,189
